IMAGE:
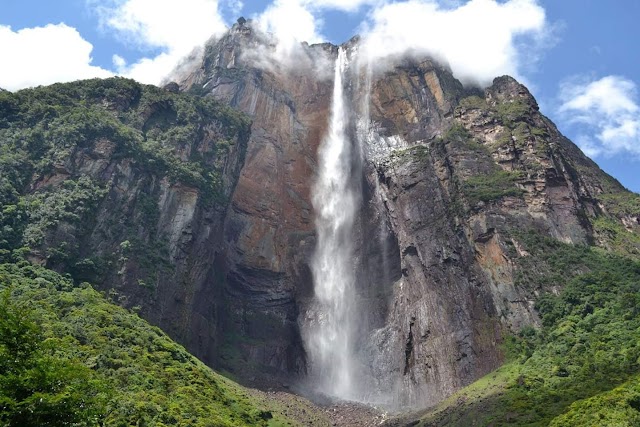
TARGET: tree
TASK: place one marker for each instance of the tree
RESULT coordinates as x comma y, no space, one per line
38,386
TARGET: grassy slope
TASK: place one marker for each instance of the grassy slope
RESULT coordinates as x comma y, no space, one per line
582,367
146,378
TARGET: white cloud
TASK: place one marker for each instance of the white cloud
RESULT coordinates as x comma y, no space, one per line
235,6
44,55
480,39
119,62
149,70
344,5
588,145
164,23
607,108
174,28
291,22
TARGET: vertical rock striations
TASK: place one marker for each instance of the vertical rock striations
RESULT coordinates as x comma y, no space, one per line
269,230
127,187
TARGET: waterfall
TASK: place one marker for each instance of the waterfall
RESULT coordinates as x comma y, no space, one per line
330,335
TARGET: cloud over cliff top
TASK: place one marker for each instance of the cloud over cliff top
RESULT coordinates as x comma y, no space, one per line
479,39
174,29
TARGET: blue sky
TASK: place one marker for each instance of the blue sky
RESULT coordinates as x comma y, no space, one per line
578,57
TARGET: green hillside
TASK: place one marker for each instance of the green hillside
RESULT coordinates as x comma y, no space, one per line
70,357
69,354
583,366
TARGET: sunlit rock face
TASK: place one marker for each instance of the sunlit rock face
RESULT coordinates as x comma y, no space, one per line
444,177
269,230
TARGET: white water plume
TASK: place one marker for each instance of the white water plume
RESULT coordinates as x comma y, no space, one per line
330,335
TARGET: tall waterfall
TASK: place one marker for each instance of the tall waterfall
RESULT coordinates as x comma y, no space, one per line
330,336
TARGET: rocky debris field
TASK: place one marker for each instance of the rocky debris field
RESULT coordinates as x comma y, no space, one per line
330,414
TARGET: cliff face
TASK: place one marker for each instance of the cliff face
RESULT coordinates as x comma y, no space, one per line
450,176
127,187
180,208
269,229
455,198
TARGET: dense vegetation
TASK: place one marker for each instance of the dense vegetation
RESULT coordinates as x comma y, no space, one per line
38,387
485,181
70,357
583,366
64,150
493,186
610,229
42,129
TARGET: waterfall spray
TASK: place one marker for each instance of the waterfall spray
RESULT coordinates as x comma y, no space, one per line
330,336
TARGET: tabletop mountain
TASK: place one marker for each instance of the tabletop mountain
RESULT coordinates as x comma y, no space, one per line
482,235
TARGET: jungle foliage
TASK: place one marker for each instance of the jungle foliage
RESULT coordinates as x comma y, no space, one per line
70,357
